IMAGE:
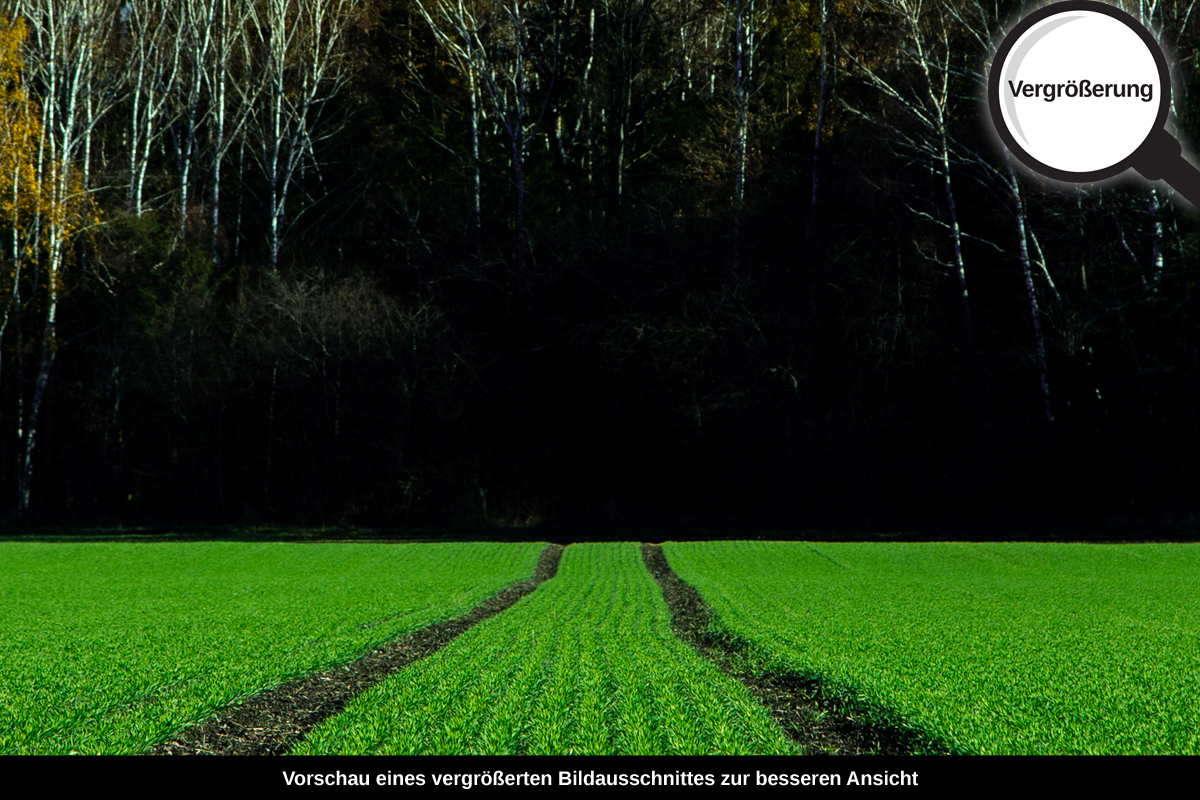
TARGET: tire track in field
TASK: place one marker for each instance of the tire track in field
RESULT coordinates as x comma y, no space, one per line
817,721
269,723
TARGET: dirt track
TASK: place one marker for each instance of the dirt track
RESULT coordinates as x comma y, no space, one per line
818,723
271,722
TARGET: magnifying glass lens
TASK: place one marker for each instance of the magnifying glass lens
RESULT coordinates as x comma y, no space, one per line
1081,91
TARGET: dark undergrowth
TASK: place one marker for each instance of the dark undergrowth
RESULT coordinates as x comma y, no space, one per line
1107,531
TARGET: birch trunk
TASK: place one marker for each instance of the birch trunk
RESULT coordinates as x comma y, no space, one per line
739,173
197,20
156,54
66,40
1034,312
820,119
304,67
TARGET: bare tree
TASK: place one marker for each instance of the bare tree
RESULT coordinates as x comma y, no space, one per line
489,43
975,23
921,88
232,96
822,88
1023,234
454,25
301,64
750,19
196,31
63,56
155,51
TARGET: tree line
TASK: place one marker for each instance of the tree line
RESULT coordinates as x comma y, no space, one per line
697,262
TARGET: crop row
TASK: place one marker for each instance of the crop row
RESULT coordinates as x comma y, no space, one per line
586,664
112,647
995,648
992,648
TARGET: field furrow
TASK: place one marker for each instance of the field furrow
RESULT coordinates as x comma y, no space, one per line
819,723
586,664
994,648
111,648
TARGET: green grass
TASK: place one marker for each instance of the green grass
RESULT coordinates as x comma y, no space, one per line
109,648
996,648
586,664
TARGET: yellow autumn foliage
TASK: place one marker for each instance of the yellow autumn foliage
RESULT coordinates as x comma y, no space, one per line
20,132
28,208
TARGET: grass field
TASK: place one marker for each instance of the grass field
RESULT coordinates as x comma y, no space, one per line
586,664
111,647
985,648
995,648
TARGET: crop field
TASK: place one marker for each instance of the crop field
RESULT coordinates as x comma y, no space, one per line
994,648
108,648
975,648
586,664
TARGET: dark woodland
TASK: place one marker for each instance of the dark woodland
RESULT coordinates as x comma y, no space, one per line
710,263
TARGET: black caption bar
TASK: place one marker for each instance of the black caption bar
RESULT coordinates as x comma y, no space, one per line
551,775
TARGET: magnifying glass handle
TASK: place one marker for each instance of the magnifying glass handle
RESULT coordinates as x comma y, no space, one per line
1160,158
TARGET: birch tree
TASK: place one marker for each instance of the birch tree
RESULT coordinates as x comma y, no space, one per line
301,65
975,22
822,88
21,192
749,22
922,90
196,32
231,95
628,26
1023,235
155,52
454,27
234,88
63,56
489,44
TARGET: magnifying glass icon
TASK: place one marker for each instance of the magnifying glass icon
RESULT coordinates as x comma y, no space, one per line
1079,91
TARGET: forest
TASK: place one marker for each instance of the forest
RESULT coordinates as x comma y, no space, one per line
706,263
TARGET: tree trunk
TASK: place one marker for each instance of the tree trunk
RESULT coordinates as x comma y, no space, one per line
820,119
739,173
1032,296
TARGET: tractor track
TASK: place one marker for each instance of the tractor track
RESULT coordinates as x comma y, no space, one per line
270,722
817,721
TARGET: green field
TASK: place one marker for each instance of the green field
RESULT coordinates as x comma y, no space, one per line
586,664
109,648
995,648
982,648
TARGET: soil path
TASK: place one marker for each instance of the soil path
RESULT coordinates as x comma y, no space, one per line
271,722
817,722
